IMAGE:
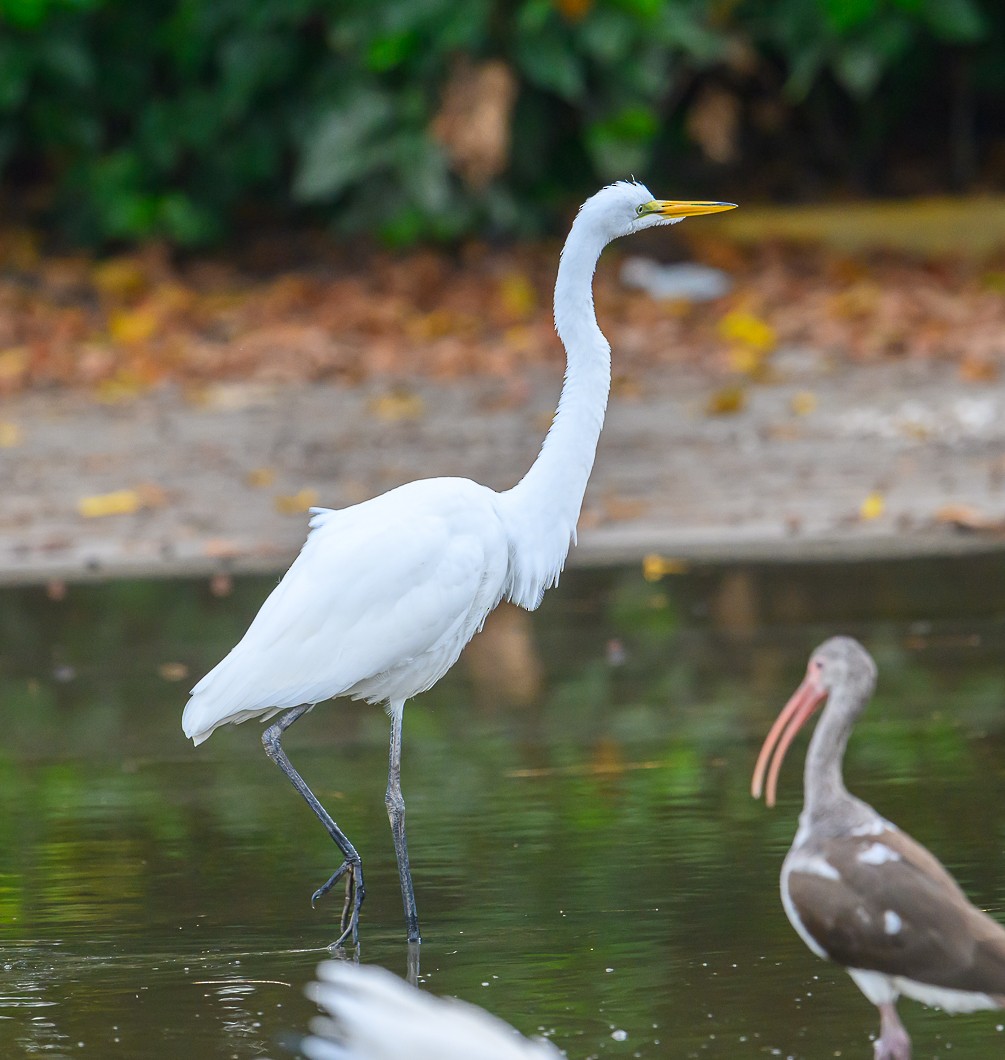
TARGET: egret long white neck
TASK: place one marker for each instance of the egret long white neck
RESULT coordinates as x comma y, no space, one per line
543,508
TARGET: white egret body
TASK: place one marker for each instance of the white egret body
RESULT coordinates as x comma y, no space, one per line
371,1014
384,595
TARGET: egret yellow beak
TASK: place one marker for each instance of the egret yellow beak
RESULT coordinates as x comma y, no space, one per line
672,208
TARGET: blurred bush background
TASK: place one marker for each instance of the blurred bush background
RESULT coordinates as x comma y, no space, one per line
192,120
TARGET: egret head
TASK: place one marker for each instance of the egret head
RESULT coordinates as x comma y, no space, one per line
626,207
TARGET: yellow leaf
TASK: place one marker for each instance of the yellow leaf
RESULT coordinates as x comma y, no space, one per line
13,363
517,295
745,359
122,502
10,435
296,503
655,567
130,326
260,477
726,401
520,338
748,329
432,325
118,502
123,386
803,402
395,405
119,277
872,507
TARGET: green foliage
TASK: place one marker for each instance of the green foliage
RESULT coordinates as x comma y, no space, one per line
858,43
170,118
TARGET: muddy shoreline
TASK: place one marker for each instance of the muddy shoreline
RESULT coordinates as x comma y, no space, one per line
820,462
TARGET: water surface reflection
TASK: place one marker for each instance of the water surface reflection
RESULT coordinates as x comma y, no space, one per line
587,858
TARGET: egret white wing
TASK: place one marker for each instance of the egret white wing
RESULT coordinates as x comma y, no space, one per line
378,604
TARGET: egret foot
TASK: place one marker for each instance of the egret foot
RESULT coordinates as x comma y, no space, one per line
355,892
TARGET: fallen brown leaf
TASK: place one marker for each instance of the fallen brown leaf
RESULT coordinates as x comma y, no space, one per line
173,671
726,401
10,435
396,405
260,477
966,517
296,503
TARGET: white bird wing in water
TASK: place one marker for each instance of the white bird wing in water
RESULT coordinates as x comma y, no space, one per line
374,1015
378,604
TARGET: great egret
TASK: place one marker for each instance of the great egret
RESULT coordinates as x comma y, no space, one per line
385,594
859,891
374,1015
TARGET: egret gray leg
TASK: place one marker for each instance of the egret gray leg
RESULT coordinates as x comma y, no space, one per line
412,964
893,1042
396,815
352,866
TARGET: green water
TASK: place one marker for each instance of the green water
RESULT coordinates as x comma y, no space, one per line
587,857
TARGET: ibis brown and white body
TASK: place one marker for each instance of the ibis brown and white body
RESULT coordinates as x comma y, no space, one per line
858,890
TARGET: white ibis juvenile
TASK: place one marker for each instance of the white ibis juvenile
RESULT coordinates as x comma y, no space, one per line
859,891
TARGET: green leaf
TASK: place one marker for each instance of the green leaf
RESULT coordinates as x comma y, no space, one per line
645,10
68,59
858,68
424,173
844,15
15,75
25,13
621,143
607,36
346,142
958,21
391,50
804,70
182,221
550,63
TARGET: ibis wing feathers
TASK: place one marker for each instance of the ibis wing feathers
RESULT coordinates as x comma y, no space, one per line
887,905
378,605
